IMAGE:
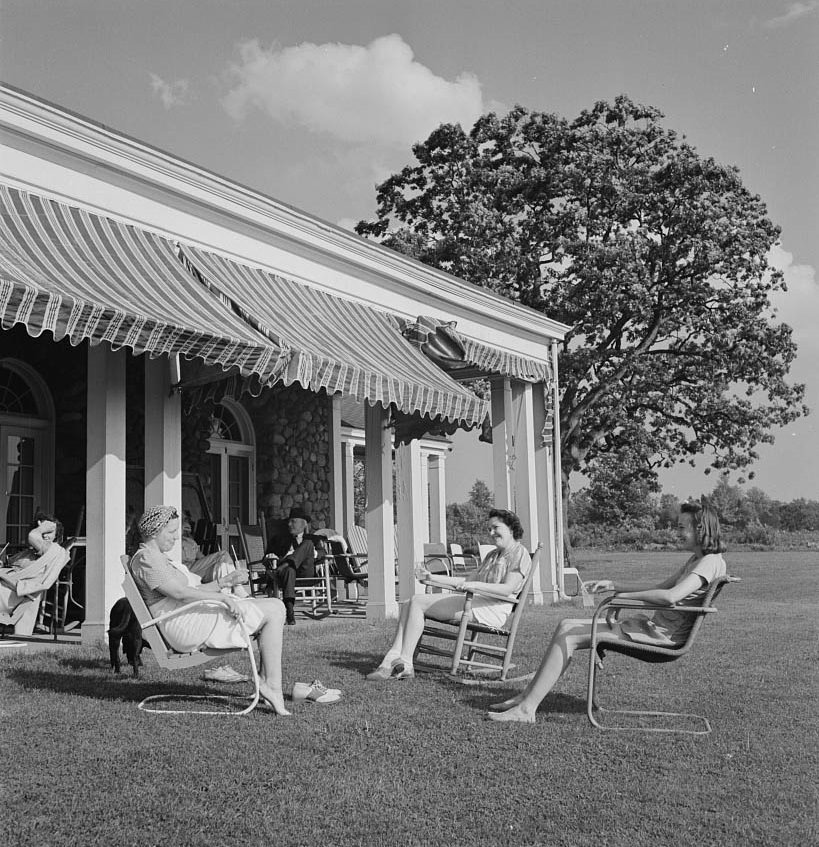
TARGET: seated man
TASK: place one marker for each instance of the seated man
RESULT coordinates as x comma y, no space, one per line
30,573
297,559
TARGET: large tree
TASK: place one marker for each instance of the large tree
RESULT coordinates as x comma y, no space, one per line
654,255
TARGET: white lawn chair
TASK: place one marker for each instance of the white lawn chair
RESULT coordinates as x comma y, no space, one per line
170,659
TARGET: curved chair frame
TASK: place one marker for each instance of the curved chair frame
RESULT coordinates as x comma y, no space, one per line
171,659
601,642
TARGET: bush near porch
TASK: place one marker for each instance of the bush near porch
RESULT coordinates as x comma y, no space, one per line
416,763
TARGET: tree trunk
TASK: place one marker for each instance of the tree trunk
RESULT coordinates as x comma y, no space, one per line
565,490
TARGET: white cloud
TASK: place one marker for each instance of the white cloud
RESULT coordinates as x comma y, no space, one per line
170,93
373,94
799,305
794,12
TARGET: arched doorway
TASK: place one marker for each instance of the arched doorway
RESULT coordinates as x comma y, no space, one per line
232,448
26,450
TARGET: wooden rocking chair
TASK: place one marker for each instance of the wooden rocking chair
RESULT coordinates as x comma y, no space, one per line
472,637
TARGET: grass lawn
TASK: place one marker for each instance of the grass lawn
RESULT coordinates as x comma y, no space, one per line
416,763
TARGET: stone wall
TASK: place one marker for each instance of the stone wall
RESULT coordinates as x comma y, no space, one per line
292,452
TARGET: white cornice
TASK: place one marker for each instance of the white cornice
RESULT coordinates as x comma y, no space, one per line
103,153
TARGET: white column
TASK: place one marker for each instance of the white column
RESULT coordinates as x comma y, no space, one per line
104,488
163,440
524,475
348,472
336,516
544,486
381,601
437,498
410,494
423,470
502,445
558,475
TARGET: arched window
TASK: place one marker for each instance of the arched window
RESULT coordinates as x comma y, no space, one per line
232,446
26,449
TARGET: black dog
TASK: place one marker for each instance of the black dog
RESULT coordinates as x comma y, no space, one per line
124,627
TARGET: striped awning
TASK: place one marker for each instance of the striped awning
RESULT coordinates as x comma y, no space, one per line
339,345
86,277
442,342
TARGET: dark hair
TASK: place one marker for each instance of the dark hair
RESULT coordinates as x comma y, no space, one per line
705,522
42,516
511,520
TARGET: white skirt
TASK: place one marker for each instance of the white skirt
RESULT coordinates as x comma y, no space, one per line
490,612
207,626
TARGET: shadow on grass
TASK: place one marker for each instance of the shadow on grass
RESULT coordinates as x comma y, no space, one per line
565,704
124,687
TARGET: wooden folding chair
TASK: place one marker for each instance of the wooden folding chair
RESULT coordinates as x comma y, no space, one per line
171,659
472,638
261,565
601,642
357,546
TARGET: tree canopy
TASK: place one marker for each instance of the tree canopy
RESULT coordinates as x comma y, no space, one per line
654,255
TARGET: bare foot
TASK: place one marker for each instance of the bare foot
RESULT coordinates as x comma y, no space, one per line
274,699
516,713
507,704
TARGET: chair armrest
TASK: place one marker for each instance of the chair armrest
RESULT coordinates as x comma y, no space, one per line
186,608
494,595
614,603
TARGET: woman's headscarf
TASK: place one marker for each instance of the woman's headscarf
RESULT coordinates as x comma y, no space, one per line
155,519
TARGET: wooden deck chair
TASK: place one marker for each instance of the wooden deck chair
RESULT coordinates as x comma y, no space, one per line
170,659
260,564
357,545
342,565
318,590
483,550
602,643
461,561
472,638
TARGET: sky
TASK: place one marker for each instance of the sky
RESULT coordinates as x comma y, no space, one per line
314,102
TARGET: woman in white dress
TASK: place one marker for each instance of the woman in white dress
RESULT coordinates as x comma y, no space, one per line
166,585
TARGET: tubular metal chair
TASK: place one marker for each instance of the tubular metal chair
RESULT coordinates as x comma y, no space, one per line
461,561
55,604
170,659
601,642
471,636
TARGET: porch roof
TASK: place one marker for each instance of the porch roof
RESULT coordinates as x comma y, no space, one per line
88,277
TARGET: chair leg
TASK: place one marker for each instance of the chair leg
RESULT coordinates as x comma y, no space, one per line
593,706
254,698
459,643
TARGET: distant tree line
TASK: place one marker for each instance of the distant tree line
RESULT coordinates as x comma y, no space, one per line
637,513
